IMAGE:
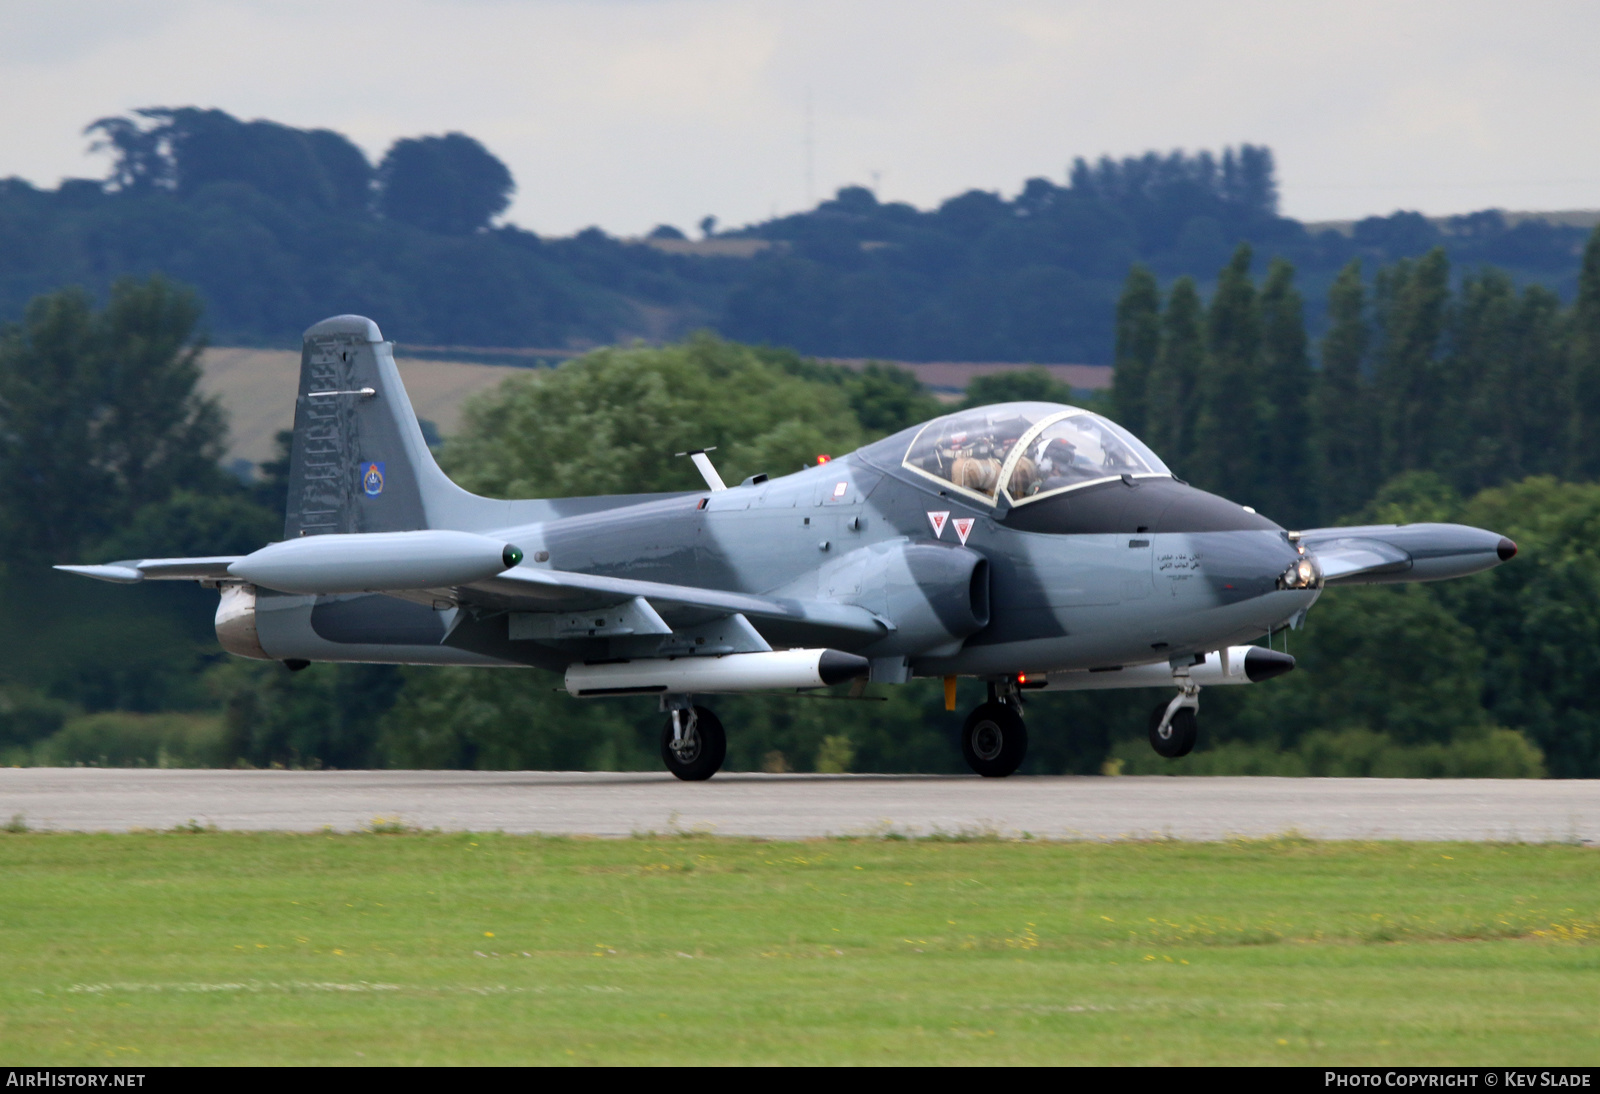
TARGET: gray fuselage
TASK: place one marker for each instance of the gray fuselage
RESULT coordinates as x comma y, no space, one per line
1117,573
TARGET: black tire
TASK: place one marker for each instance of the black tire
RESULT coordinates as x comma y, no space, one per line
994,740
1182,732
705,758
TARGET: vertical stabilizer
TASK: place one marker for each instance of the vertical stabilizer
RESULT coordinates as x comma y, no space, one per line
359,463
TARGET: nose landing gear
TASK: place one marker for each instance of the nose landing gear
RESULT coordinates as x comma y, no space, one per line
693,744
994,739
1175,725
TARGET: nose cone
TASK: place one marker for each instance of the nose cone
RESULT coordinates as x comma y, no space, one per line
1260,664
1234,566
1507,549
835,667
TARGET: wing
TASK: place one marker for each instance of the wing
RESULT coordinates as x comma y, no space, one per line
132,570
535,590
1344,560
528,589
1383,553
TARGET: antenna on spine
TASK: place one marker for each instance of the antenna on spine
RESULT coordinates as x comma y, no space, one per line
702,463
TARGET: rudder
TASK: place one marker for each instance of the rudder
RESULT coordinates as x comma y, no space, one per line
358,462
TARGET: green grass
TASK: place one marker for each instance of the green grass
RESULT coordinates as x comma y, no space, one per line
205,947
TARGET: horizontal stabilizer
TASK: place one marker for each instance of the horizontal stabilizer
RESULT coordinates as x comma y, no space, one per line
132,570
334,563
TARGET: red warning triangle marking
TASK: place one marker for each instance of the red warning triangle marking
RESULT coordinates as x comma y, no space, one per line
938,520
964,527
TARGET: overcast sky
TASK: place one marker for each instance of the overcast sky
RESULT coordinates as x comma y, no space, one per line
629,113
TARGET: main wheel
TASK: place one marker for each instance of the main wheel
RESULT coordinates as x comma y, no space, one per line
994,740
699,756
1182,731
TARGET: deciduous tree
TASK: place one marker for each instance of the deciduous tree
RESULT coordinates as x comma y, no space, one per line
450,184
100,415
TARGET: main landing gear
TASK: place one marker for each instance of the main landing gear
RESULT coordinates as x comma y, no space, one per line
1175,725
693,744
994,739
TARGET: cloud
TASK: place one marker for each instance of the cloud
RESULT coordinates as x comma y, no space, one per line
627,114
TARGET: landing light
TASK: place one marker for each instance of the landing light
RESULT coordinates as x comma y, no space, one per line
1302,575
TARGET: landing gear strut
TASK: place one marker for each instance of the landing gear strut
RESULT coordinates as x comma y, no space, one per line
693,744
994,739
1175,725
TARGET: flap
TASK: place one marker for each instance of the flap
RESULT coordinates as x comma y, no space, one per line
530,589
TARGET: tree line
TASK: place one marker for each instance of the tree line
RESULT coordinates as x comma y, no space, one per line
1476,382
276,225
1034,276
451,185
1425,402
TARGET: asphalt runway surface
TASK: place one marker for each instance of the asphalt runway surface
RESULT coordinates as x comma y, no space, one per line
805,806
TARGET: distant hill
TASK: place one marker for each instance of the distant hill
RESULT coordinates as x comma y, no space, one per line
1585,219
278,227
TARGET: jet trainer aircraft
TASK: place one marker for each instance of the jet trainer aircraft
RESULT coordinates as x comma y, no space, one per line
1030,545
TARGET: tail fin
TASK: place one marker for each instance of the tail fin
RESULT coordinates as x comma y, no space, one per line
359,463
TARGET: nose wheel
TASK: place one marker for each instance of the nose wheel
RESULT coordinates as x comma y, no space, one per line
994,740
1175,726
693,744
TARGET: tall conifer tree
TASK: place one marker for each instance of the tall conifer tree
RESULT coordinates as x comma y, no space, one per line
1229,390
1478,436
1289,491
1169,426
1344,420
1409,378
1583,443
1540,366
1138,342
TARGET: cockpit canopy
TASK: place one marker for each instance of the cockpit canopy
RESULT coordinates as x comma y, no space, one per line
1027,451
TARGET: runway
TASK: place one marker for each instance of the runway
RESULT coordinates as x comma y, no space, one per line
805,806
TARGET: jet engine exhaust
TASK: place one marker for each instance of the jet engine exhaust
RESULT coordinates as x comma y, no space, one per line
236,622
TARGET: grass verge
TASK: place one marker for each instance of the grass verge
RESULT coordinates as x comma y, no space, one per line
401,947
